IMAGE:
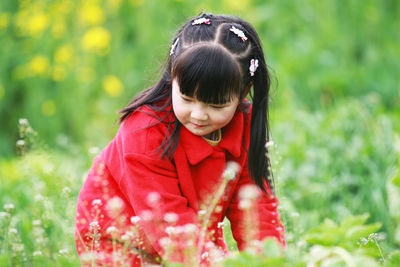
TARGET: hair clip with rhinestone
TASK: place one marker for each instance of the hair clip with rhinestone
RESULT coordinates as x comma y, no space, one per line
253,66
239,33
173,46
201,21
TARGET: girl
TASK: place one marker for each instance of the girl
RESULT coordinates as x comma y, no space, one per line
156,192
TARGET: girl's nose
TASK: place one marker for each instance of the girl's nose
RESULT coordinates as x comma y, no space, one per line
198,114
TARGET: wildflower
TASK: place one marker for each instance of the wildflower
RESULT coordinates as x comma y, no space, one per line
201,212
135,219
37,253
127,236
38,198
37,23
113,86
23,122
146,215
112,230
66,191
63,252
94,150
171,217
204,255
64,54
245,204
20,144
269,144
221,225
94,225
36,222
164,242
114,206
96,39
153,198
250,192
4,215
91,14
190,228
8,207
231,170
97,203
38,65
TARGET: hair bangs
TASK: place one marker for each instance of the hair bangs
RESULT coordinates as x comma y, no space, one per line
209,74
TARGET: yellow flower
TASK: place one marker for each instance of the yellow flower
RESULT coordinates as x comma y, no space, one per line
136,2
59,73
113,86
39,65
4,20
49,108
37,23
115,3
96,39
91,14
64,54
236,5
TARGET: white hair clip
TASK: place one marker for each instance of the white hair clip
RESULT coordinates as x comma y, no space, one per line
239,33
173,46
201,21
253,66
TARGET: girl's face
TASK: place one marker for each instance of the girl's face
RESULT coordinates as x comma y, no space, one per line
201,118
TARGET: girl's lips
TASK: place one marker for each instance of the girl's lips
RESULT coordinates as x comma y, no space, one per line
198,125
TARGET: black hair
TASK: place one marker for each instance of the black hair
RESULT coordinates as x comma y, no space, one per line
211,63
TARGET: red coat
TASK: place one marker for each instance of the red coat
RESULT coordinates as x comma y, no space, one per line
130,168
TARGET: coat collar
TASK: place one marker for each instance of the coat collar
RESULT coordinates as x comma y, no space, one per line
197,149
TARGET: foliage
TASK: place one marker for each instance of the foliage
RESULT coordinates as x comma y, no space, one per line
69,66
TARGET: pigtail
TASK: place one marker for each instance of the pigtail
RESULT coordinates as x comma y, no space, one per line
257,160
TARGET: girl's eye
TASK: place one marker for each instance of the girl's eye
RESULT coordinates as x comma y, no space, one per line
186,99
217,107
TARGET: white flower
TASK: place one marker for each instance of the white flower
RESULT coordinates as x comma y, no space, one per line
153,198
112,230
115,205
204,255
94,225
63,252
269,143
190,228
171,217
36,222
201,212
9,207
146,215
135,219
231,170
37,253
23,122
249,192
97,202
245,204
164,242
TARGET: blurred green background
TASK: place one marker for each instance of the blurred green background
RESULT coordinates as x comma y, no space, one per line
68,66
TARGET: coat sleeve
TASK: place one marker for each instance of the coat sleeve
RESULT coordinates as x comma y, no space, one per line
149,183
268,221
